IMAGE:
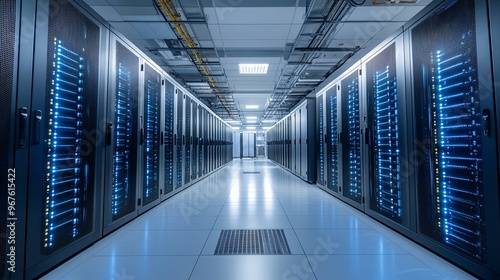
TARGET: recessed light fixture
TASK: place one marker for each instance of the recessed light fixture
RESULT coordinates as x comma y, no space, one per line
252,106
268,121
250,127
252,118
233,121
236,127
266,127
253,68
251,121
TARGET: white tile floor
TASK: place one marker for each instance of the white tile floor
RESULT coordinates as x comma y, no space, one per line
327,239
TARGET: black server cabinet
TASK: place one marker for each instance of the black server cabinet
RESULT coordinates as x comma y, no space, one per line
333,144
186,139
120,192
65,180
351,138
150,137
457,178
168,139
308,135
303,142
290,142
206,141
178,137
201,139
294,142
388,187
15,57
296,124
320,122
194,152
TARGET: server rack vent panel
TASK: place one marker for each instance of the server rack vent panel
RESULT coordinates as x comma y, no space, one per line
178,163
350,89
194,159
169,137
385,192
67,176
187,140
7,45
321,178
451,202
152,95
123,193
333,153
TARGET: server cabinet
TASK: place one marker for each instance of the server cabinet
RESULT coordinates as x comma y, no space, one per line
290,143
120,192
168,138
321,150
388,186
179,112
150,139
333,144
304,157
64,194
457,179
194,137
201,144
352,190
15,57
296,137
206,141
187,139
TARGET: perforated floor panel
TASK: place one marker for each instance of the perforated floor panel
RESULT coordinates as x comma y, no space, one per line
251,172
252,242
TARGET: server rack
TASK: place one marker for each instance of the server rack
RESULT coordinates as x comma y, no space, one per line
15,57
206,142
65,206
321,151
290,143
194,154
385,139
169,139
150,137
120,193
333,144
454,116
296,122
201,139
303,142
186,139
352,191
178,137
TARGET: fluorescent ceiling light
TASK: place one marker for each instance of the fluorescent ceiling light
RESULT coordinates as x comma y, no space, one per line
253,68
266,127
268,121
252,106
252,118
250,127
251,121
233,121
236,127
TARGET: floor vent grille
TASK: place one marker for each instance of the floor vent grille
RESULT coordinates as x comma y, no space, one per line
252,242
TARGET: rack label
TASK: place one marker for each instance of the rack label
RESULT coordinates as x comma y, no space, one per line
11,220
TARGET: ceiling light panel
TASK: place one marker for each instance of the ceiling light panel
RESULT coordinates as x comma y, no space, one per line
252,118
253,68
252,106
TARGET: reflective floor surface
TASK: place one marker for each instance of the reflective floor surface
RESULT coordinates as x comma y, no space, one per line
327,238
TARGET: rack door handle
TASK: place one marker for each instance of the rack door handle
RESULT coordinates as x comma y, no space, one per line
367,136
109,133
161,138
142,136
486,122
23,127
38,127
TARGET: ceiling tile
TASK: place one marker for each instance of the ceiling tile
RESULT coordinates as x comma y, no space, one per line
299,15
162,30
254,43
388,30
359,32
145,30
255,15
97,2
215,32
254,32
408,13
374,13
136,10
294,31
127,30
107,12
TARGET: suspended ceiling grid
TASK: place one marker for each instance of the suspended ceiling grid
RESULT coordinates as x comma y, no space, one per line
253,31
